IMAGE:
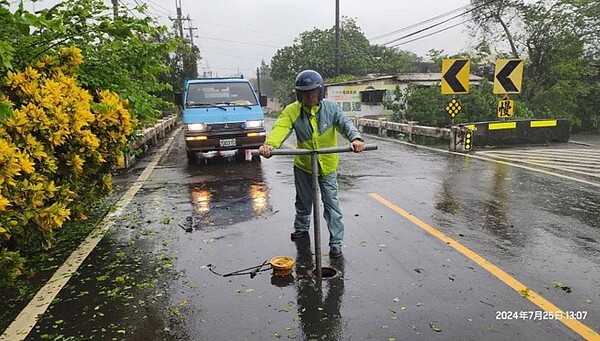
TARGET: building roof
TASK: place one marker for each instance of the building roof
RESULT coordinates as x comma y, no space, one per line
362,81
432,76
404,78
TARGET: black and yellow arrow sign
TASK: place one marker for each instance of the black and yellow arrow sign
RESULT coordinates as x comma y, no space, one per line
455,76
508,76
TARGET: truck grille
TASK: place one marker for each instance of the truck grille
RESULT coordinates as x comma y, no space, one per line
213,127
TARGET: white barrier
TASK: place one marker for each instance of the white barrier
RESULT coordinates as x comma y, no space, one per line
151,135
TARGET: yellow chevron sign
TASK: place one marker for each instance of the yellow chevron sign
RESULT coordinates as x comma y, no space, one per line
455,76
508,76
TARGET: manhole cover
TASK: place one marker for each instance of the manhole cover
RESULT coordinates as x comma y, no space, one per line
326,272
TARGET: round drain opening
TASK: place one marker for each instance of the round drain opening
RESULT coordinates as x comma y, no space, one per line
326,272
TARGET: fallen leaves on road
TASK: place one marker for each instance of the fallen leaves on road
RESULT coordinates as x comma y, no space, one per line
434,327
562,286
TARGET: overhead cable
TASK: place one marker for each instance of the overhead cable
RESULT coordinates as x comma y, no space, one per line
420,23
439,23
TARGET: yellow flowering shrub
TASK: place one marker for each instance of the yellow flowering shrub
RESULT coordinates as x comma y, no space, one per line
57,151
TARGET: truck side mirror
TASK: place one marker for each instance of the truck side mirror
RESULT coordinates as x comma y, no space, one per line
178,98
263,100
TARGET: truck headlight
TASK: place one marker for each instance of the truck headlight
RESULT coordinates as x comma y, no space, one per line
255,124
196,127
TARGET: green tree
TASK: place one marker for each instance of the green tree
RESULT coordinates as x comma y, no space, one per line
426,105
496,21
125,54
316,50
560,41
267,84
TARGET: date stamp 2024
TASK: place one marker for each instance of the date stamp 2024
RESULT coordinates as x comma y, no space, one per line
540,315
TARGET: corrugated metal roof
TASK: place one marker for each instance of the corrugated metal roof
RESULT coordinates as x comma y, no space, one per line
361,81
433,77
404,78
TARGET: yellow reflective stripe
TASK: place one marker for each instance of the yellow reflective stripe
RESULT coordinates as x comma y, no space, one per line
541,124
283,125
471,126
503,125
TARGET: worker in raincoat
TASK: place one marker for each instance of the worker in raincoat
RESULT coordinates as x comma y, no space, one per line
315,121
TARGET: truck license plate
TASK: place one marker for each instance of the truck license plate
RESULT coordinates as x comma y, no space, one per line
227,143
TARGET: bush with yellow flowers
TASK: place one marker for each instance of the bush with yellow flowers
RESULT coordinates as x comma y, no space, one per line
57,150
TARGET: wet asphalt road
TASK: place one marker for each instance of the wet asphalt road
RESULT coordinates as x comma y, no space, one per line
396,281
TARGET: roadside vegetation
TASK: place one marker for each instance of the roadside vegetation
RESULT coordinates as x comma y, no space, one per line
75,84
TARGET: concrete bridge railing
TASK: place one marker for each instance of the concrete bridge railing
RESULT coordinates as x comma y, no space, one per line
499,133
151,135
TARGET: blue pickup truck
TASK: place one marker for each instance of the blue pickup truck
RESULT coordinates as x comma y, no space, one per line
221,116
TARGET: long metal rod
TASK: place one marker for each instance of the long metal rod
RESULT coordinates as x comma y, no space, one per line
316,213
318,151
315,183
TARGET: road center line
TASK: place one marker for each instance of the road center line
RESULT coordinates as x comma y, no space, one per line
27,318
578,327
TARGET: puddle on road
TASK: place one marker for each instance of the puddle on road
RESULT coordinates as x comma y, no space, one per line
218,194
226,202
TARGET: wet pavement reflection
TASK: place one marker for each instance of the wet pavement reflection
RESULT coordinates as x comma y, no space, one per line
318,303
232,200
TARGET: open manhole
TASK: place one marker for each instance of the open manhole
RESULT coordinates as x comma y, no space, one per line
326,272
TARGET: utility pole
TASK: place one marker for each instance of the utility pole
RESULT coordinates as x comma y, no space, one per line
337,37
115,4
179,18
191,30
258,80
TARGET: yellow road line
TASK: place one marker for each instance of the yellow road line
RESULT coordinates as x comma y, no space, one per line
27,318
578,327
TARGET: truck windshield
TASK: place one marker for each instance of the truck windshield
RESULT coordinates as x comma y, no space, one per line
220,94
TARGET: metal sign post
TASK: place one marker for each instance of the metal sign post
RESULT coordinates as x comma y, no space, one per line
315,184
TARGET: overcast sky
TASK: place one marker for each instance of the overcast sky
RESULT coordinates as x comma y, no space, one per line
235,35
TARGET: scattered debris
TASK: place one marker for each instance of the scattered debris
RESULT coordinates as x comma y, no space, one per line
562,286
434,327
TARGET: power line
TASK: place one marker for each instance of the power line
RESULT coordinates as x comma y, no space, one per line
240,42
423,29
128,9
169,12
439,23
246,29
244,53
420,23
430,34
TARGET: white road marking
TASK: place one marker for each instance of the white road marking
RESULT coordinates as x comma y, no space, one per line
595,184
27,318
579,161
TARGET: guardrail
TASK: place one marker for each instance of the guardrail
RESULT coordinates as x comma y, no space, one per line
151,135
502,133
385,128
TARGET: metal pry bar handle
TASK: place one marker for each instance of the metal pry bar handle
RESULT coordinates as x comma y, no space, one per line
315,186
330,150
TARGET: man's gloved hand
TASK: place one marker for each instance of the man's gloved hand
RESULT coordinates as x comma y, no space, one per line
357,146
265,150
